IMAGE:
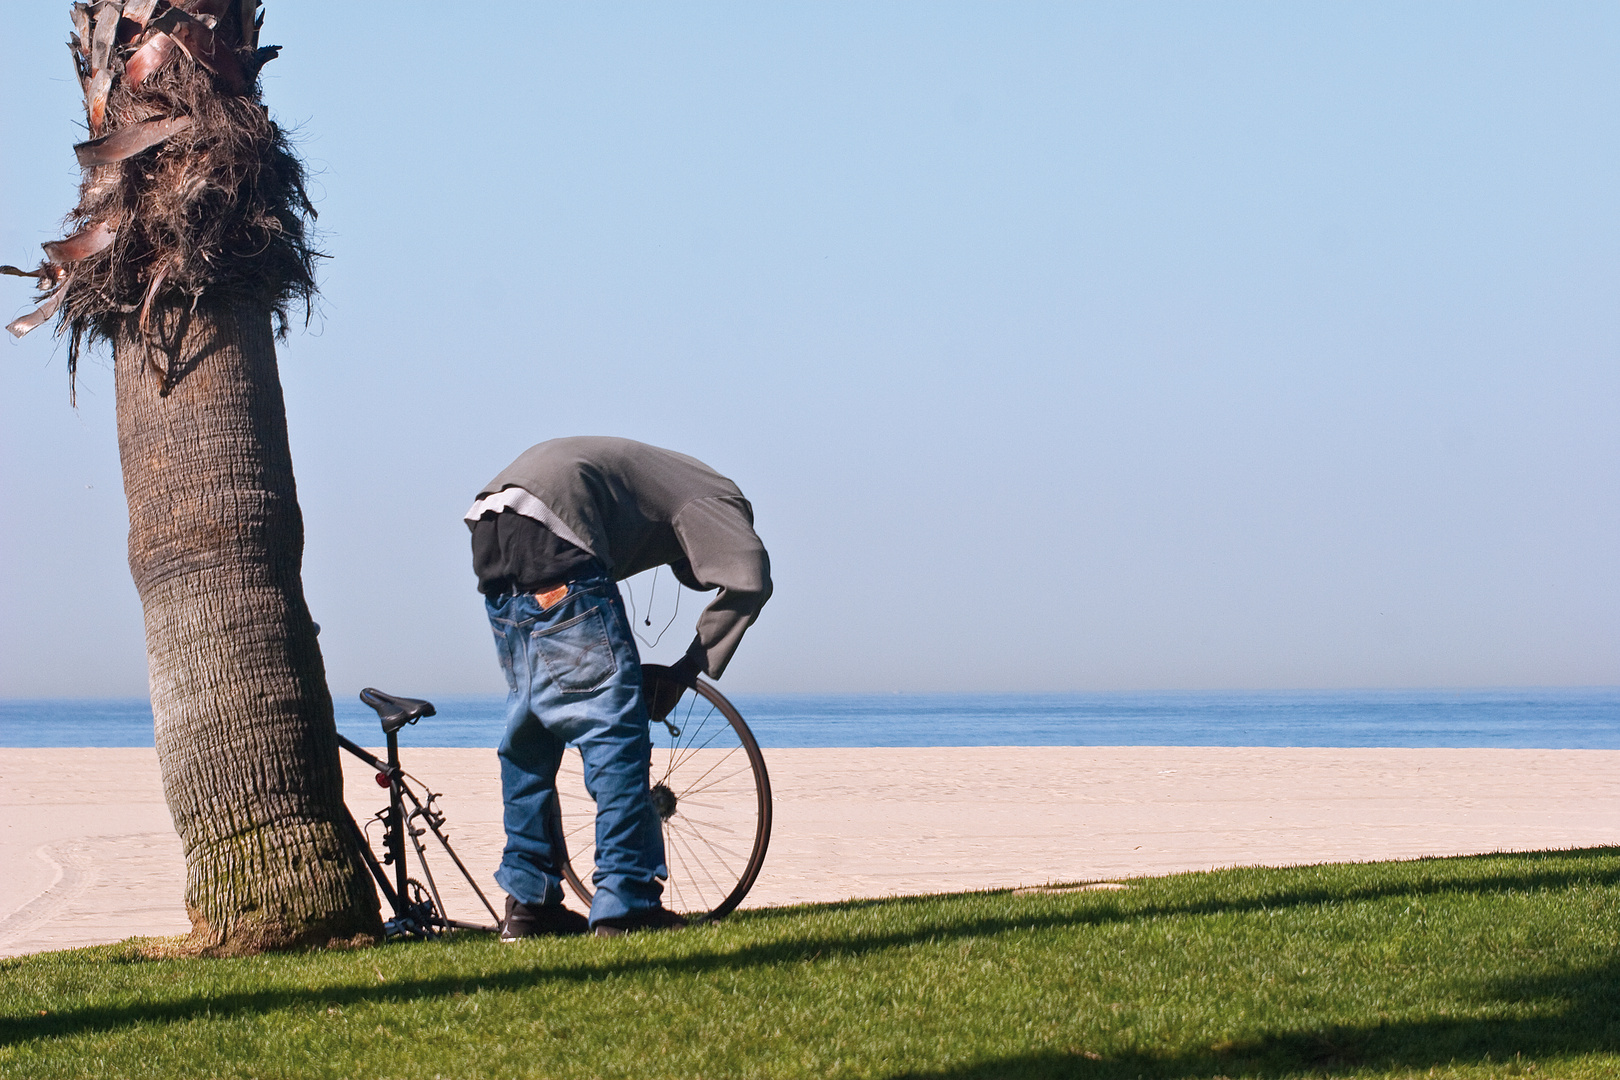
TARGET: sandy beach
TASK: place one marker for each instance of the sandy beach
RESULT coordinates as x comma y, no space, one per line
90,855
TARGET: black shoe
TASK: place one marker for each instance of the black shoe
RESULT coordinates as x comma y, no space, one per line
653,918
540,920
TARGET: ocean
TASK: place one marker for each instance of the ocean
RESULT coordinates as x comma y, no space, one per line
1533,718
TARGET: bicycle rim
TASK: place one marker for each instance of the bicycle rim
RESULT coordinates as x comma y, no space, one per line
715,804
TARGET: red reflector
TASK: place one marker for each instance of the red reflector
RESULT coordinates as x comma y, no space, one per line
382,779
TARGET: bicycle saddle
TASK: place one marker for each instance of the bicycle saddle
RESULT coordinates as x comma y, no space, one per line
396,712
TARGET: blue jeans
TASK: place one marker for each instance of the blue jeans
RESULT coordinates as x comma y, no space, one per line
575,679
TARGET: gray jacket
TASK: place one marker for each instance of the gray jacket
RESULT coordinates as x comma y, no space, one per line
634,507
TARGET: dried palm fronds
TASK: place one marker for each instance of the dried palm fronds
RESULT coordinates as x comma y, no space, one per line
191,193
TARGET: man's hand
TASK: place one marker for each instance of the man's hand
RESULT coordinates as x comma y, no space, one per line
686,670
664,693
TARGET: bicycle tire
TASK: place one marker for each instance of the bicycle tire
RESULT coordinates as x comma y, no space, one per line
715,859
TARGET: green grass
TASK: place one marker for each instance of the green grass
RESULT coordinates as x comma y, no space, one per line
1492,966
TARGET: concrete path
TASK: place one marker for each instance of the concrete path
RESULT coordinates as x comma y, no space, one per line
89,856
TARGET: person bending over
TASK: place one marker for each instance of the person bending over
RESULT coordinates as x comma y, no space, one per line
551,536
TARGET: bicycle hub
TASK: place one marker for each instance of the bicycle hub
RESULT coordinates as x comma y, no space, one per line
663,801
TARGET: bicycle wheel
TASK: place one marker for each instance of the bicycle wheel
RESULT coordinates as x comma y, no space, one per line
709,786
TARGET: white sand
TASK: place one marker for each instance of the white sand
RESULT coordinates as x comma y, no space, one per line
89,855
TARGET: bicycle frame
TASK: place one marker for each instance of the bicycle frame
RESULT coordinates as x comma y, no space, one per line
416,914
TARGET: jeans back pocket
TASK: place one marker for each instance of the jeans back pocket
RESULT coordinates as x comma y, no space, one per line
577,653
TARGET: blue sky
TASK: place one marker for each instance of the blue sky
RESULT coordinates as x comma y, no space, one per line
1065,346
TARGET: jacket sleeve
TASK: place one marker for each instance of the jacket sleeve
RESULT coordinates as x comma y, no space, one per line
723,551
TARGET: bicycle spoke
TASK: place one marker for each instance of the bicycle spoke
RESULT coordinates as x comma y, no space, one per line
696,857
714,846
698,823
676,879
720,854
692,787
689,859
687,804
724,755
693,750
685,725
695,756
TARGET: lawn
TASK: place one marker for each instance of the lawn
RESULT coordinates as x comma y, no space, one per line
1491,966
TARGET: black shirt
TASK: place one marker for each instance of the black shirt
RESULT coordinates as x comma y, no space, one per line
517,554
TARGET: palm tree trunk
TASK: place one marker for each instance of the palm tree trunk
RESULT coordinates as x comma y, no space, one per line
244,728
190,241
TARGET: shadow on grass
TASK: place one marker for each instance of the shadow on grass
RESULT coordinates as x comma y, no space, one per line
1580,1015
1587,1022
1450,879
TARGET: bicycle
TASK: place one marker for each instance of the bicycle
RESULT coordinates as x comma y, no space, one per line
709,786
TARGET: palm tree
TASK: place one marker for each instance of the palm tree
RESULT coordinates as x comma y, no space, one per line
189,247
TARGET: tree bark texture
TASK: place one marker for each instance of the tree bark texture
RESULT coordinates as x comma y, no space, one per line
244,729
